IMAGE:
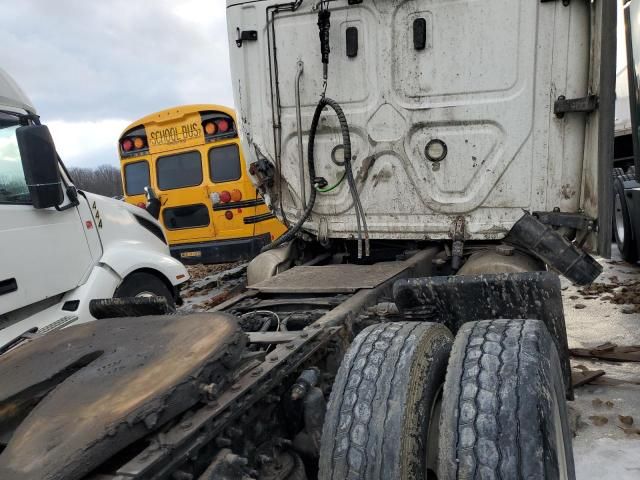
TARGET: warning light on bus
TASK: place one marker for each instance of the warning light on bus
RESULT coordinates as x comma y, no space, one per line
210,128
127,145
138,142
223,125
225,197
236,195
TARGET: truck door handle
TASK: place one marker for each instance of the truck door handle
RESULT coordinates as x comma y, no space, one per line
7,286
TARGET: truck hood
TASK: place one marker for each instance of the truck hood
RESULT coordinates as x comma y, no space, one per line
118,221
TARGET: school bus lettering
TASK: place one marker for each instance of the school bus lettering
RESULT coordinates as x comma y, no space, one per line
174,135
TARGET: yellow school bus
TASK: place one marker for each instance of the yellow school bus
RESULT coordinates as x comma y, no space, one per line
191,157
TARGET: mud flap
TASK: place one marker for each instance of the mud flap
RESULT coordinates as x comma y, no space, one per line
455,300
555,250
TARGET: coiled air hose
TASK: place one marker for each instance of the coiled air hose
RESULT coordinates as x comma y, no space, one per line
346,143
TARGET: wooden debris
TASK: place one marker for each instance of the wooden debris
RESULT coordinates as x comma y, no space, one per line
609,351
630,430
584,376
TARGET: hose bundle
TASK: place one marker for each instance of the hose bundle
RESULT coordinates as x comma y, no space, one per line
346,143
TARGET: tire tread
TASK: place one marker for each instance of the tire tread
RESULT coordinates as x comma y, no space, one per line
485,388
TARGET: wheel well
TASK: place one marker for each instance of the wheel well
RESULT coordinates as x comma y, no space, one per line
156,274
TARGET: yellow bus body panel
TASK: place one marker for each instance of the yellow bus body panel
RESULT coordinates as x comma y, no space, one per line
177,130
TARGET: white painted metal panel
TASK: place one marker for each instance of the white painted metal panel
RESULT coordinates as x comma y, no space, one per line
484,84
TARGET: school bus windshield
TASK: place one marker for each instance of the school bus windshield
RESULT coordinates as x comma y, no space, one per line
191,157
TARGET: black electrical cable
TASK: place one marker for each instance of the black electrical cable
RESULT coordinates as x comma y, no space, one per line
346,141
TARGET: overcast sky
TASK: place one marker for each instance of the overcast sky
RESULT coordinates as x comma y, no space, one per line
92,67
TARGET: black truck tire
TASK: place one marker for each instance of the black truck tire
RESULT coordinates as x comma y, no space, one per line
142,284
504,413
622,228
387,389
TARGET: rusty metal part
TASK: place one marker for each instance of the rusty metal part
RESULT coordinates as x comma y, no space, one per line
258,390
227,466
492,261
308,440
102,385
457,248
330,278
173,447
286,465
307,380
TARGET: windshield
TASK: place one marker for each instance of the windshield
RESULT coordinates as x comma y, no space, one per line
13,187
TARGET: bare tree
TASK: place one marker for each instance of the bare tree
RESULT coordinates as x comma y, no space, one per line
103,180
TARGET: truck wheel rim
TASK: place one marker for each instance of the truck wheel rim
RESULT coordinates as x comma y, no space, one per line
619,218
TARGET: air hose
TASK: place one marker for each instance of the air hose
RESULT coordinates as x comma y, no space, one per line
324,27
346,142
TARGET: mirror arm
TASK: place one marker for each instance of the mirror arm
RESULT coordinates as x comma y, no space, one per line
72,193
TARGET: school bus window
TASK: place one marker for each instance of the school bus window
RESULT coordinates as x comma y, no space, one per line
224,163
136,177
188,216
180,170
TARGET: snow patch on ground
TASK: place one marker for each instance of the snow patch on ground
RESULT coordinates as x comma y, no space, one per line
606,458
605,452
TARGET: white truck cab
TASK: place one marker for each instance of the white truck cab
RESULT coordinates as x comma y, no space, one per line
60,247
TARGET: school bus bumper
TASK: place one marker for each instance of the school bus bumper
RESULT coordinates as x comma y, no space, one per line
221,251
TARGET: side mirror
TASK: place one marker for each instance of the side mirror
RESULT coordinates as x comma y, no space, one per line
153,203
40,165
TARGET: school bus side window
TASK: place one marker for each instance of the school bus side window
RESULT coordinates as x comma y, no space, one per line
180,170
136,177
224,163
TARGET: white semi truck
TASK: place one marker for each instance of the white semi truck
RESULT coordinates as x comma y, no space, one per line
410,323
626,202
61,247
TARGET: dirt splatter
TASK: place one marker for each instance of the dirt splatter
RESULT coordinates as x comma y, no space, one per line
200,271
598,420
617,292
626,419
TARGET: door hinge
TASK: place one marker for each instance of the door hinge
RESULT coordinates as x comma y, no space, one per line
246,36
574,105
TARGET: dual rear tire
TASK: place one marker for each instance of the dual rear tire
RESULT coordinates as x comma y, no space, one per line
498,413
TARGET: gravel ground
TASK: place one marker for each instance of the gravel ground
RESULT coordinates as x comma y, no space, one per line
211,285
606,312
